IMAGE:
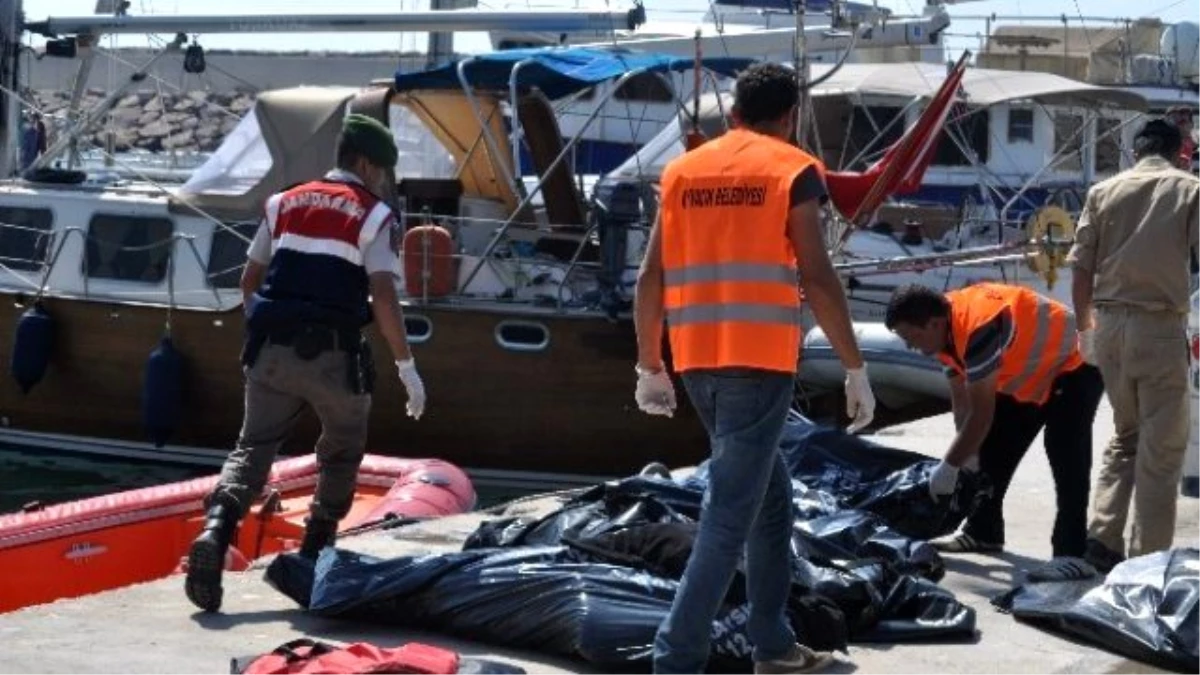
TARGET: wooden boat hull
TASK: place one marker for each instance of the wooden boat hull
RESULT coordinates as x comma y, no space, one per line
566,409
97,544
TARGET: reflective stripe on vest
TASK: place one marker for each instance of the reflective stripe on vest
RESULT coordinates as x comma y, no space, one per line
325,218
731,286
1043,345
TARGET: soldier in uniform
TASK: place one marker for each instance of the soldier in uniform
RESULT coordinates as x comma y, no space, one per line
321,267
1133,248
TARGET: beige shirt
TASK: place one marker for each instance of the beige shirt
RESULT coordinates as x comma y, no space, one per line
1136,233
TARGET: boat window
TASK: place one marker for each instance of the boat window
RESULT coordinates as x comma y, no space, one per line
24,237
418,328
522,336
227,255
130,248
1068,142
645,88
1020,125
1108,145
974,130
865,124
420,153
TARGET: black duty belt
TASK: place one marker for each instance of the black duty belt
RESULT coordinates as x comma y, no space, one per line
309,341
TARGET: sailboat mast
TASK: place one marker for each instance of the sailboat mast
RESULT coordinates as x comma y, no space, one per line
801,66
441,44
10,105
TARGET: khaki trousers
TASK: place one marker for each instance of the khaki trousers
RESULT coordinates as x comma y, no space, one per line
277,388
1143,358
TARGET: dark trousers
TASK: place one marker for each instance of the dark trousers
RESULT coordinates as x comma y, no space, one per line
1067,417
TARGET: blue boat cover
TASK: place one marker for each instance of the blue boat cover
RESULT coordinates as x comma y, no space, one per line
558,72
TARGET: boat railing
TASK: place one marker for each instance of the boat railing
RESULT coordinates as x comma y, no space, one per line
505,248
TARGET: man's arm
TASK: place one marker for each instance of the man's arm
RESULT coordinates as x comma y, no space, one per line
1082,259
822,289
383,267
649,312
977,420
385,305
258,256
958,400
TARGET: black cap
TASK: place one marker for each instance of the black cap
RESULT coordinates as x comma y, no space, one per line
1158,136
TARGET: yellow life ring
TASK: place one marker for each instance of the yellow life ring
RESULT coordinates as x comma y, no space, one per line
1050,228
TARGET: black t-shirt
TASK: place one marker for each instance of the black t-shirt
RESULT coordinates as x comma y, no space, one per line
808,185
985,346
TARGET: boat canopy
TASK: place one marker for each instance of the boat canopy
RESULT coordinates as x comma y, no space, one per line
287,138
979,87
557,72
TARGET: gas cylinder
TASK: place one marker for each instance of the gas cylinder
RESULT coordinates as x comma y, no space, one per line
430,270
1190,483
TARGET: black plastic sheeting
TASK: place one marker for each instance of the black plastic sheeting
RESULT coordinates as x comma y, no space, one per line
594,579
1146,609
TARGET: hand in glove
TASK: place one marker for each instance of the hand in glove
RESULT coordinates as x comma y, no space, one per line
860,400
1087,345
655,394
943,480
413,385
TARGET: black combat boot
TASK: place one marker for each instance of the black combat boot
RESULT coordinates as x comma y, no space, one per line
206,559
317,535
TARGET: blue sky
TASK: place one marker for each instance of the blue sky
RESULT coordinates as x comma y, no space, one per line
962,30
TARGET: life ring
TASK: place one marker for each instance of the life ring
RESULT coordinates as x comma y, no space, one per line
1049,227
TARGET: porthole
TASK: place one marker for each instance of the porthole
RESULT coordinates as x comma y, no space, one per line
418,328
522,336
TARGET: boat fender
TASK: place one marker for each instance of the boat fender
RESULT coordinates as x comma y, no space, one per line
162,393
32,347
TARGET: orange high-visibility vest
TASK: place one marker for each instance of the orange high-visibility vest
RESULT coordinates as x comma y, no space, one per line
732,295
1043,345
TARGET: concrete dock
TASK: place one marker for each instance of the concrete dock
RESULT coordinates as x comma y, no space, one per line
152,628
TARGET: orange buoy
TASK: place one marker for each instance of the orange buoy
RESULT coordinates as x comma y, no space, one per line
430,270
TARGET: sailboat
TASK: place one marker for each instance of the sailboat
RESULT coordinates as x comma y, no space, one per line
527,374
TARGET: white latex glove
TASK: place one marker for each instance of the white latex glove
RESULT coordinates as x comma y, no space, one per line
413,385
655,394
1087,345
860,400
943,480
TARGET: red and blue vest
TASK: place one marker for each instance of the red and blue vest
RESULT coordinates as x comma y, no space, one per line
320,232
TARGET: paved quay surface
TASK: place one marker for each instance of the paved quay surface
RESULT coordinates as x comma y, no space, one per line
152,628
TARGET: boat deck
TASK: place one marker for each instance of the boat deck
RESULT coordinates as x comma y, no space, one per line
152,628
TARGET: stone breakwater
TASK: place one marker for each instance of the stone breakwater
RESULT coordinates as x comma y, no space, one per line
153,121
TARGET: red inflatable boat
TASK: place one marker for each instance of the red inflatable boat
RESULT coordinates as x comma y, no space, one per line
73,549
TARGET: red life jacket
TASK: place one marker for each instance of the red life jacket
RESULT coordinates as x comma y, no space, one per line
310,656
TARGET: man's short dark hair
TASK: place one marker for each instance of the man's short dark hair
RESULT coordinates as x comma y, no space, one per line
915,305
765,92
1159,137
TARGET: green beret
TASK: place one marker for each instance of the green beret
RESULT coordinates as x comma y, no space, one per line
370,138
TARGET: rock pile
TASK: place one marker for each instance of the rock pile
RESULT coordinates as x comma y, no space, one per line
154,122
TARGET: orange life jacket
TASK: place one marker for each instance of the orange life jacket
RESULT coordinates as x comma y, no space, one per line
1043,344
732,296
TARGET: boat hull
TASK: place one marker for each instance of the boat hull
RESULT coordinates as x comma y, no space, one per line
92,545
565,409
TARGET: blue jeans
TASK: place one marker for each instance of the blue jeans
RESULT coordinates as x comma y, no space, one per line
748,504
